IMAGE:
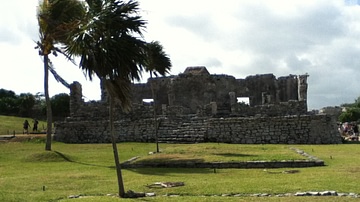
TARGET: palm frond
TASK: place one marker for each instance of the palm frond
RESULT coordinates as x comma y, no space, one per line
156,59
65,54
56,19
110,44
57,77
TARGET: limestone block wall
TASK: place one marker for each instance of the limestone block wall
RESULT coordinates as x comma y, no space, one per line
303,129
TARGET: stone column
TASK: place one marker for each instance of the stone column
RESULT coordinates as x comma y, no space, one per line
277,96
233,101
302,87
264,98
163,109
76,100
171,95
213,108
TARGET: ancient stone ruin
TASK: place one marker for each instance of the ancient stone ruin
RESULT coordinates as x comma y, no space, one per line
196,106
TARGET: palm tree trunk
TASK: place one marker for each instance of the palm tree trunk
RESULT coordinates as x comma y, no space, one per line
115,150
155,120
48,104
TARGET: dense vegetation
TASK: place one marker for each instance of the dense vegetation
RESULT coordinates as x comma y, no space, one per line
29,105
351,112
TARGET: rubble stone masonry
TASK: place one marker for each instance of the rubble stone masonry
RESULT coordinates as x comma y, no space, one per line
198,107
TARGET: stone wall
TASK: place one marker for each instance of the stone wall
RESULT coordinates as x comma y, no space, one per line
199,107
196,87
93,127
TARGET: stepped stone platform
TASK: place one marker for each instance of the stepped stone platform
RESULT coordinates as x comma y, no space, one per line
311,161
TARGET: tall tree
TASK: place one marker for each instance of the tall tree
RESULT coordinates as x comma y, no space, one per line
60,105
8,102
56,19
110,45
157,62
26,103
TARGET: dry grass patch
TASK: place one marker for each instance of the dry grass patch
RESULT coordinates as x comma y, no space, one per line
220,152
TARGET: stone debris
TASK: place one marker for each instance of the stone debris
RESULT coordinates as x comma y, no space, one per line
150,194
165,184
131,160
283,172
298,194
132,194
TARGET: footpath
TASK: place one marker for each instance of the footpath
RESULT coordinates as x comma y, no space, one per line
20,137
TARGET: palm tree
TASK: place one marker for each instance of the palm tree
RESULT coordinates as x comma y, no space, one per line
56,18
110,46
157,61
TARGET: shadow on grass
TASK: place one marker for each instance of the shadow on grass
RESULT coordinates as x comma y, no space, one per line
351,142
68,159
168,166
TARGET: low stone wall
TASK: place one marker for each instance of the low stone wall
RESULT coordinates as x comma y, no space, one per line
220,165
304,129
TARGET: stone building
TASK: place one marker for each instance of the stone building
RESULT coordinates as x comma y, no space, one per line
196,106
196,87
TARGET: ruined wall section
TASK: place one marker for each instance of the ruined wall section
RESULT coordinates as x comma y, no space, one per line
76,100
262,89
91,124
193,91
270,110
191,106
288,88
303,129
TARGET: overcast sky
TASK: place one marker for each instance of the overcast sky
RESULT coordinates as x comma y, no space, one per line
237,37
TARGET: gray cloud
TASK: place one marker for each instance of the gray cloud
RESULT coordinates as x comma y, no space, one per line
293,62
9,36
212,62
238,37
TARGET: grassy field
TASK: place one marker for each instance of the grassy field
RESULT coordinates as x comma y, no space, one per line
28,173
11,124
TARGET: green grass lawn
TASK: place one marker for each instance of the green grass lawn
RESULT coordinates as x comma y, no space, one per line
28,173
11,124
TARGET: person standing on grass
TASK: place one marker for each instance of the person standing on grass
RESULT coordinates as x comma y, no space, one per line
26,127
35,128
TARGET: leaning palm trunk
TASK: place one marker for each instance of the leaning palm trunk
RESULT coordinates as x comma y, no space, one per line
48,104
115,150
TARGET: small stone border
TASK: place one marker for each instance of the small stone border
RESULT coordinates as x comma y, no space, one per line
310,162
297,194
308,193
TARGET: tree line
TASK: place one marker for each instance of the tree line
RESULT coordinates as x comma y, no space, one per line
34,106
351,112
